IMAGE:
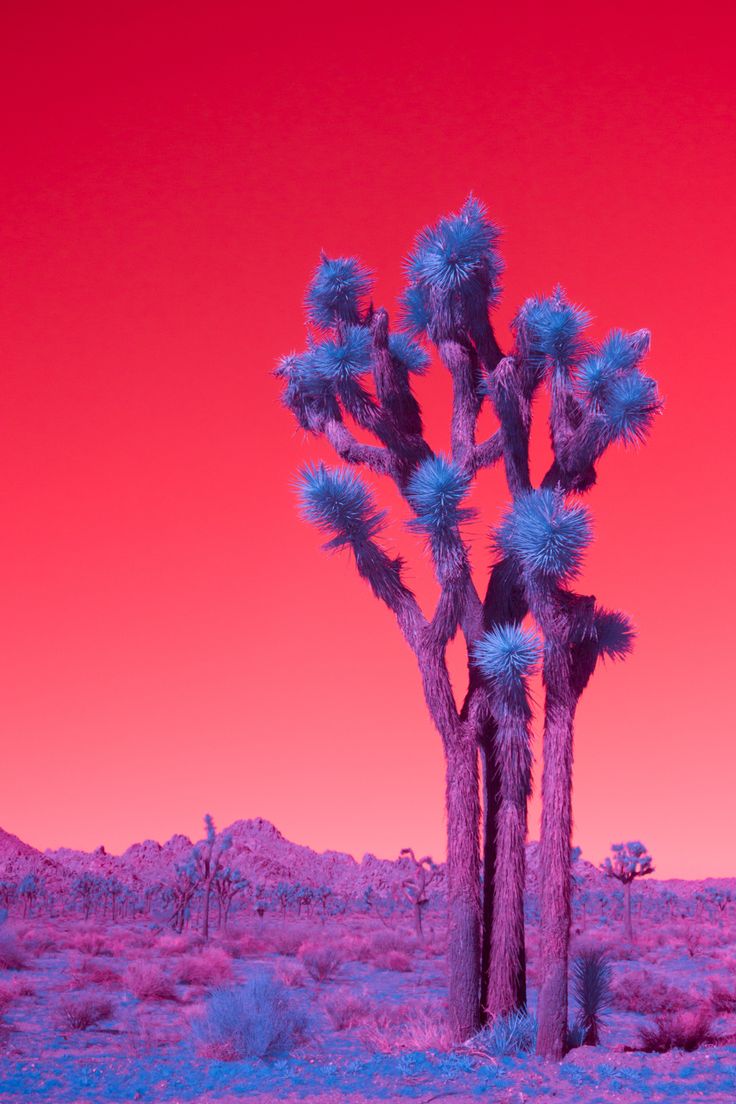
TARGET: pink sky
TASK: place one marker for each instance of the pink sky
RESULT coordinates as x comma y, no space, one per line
173,639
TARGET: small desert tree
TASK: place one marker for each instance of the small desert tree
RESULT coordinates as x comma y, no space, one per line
207,857
626,862
28,891
357,372
415,887
228,884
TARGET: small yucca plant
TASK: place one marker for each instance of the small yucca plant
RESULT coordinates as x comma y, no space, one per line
591,976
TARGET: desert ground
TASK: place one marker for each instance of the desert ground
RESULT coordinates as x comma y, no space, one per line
327,993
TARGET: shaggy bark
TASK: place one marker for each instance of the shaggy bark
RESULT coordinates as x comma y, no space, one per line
463,897
507,938
554,860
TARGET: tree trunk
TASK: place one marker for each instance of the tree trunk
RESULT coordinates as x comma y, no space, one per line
628,928
418,906
555,860
206,910
463,896
490,827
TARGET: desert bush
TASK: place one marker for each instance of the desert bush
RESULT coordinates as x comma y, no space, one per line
682,1030
12,955
355,948
393,960
89,971
644,992
211,967
693,942
292,974
245,945
415,1027
591,977
385,941
347,1010
90,941
84,1010
321,960
260,1019
507,1036
723,1000
147,981
288,939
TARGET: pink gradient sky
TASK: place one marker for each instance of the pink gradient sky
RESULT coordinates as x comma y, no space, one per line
173,639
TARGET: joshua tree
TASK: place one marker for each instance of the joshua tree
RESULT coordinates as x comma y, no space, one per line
598,396
29,890
86,888
207,857
228,884
415,887
627,862
180,894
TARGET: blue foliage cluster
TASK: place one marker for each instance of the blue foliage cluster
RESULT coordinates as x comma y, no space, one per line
615,634
336,291
610,383
435,492
411,356
308,394
546,534
551,329
508,654
342,361
338,502
456,257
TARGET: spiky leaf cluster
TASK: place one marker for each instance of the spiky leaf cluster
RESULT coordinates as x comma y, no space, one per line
507,655
409,354
435,492
551,331
615,634
592,991
611,384
336,291
339,503
308,394
546,535
453,272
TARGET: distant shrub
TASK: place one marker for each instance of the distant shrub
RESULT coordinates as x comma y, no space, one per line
682,1030
385,941
147,981
91,942
321,961
347,1010
723,1000
210,967
642,991
591,977
260,1019
12,955
507,1036
412,1027
693,942
89,971
176,944
292,974
288,939
246,945
83,1011
393,960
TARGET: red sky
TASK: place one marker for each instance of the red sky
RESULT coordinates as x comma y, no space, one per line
173,639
